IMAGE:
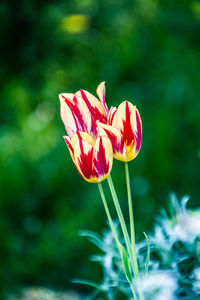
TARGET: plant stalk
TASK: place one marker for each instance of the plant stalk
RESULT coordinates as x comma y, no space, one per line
132,227
113,229
121,220
108,215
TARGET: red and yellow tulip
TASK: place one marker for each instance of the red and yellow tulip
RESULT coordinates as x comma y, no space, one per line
92,154
124,129
92,158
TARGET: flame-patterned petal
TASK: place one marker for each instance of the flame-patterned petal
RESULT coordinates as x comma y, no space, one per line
69,145
101,92
83,156
67,114
71,149
95,108
112,116
84,136
92,158
136,125
124,122
116,138
75,114
103,158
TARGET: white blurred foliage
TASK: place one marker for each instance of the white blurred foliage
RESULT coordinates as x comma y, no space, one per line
159,285
187,227
174,271
196,285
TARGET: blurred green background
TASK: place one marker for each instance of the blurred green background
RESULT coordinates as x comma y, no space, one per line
148,52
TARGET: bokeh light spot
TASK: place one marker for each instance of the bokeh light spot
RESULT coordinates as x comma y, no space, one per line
76,23
195,6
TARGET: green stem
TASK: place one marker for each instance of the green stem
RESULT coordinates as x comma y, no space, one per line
121,220
113,228
132,227
130,206
108,215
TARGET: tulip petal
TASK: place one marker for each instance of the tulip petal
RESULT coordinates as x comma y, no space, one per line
116,138
83,157
101,92
103,157
84,136
136,124
95,107
124,122
67,114
112,116
70,147
75,114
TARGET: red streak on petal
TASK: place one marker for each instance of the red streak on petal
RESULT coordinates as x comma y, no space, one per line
138,136
86,162
69,145
77,114
117,146
127,132
101,165
96,115
112,117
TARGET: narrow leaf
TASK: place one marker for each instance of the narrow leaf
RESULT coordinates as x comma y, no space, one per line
87,282
174,205
184,201
126,264
93,237
148,256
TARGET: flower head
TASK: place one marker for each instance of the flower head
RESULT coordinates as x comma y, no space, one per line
92,158
124,129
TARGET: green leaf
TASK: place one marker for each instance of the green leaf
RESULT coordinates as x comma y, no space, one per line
98,288
93,237
125,262
87,282
148,256
174,206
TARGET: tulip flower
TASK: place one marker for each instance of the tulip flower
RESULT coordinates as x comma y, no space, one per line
92,158
80,111
124,129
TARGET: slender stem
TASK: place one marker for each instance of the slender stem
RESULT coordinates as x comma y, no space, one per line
113,229
108,215
133,292
121,220
132,227
130,206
